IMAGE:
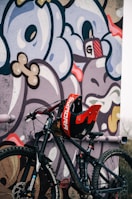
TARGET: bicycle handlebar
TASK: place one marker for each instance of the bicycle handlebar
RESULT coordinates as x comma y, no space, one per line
46,111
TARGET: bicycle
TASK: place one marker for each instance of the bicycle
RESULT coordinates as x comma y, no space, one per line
30,174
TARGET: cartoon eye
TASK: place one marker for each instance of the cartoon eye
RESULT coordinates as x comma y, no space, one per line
30,33
87,30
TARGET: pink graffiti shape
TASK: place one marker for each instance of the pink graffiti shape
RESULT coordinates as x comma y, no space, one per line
13,137
77,72
115,30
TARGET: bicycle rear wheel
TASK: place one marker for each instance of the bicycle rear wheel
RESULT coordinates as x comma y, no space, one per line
14,161
120,163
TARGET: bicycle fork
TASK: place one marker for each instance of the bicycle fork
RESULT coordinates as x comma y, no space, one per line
34,176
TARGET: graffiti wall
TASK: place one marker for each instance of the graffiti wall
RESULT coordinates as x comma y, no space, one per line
51,49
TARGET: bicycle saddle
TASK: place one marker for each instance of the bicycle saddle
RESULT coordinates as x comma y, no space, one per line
94,134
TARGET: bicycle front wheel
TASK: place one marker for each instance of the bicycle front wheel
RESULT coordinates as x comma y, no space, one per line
112,185
16,168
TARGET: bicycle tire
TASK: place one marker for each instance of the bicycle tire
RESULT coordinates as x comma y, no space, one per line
13,161
111,159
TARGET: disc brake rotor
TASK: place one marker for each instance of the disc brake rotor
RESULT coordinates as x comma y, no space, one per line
18,189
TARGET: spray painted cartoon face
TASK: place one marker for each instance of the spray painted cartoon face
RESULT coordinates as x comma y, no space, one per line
53,34
30,29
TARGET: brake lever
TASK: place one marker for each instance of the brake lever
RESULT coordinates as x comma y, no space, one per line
30,116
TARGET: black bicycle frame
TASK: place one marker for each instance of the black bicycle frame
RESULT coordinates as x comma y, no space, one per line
90,159
60,143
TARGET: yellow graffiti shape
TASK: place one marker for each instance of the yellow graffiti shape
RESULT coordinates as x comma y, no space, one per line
113,119
42,2
20,2
38,2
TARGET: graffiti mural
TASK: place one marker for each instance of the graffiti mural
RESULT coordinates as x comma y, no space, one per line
51,49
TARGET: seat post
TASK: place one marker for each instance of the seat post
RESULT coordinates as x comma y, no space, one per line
92,136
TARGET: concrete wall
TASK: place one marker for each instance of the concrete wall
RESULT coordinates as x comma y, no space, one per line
49,51
126,83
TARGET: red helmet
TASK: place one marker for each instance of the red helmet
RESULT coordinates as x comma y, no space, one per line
75,122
